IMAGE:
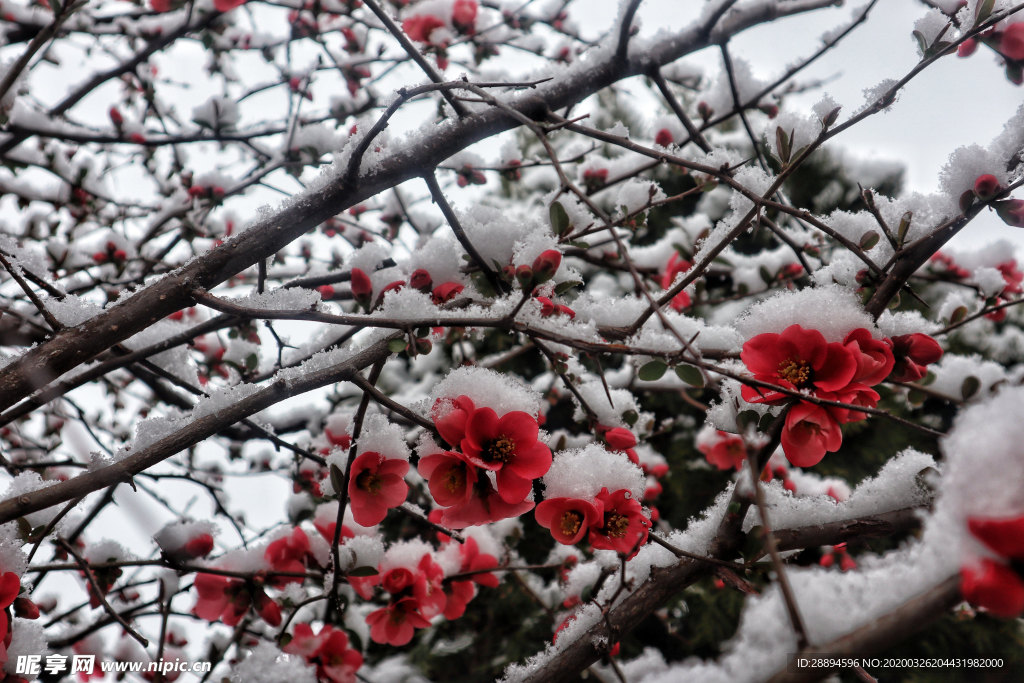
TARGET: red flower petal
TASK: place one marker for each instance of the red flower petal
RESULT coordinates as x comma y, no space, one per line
995,587
1004,536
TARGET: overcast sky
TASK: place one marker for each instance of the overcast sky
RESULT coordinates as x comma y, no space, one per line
955,102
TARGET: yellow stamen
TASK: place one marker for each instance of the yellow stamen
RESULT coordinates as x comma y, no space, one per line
369,482
615,525
795,370
501,449
571,522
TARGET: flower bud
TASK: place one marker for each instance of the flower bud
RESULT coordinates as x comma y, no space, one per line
545,265
664,137
1012,212
986,187
115,116
25,609
362,288
1011,45
525,276
967,48
508,273
421,280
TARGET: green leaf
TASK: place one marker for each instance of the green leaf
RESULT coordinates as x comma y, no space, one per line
559,218
690,375
753,545
397,345
284,640
652,371
928,379
984,11
831,117
916,397
901,233
337,479
747,418
630,417
959,313
563,287
767,277
894,303
482,284
580,244
921,43
252,361
364,571
782,143
970,387
869,240
765,422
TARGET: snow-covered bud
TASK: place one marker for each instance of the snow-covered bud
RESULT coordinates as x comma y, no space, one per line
421,280
545,265
986,187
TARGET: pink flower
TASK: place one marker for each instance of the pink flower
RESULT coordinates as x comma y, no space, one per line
623,527
1012,276
507,445
396,623
446,292
268,610
995,587
450,416
796,359
335,661
428,588
288,554
450,477
227,5
874,357
1012,42
220,597
484,505
375,486
913,353
419,28
727,453
464,15
568,519
677,264
10,584
810,431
